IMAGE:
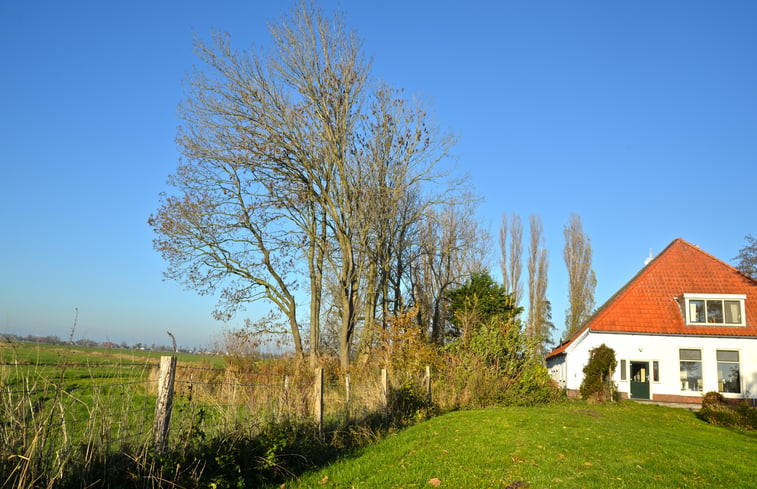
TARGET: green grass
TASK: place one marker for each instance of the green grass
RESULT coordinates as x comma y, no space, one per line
41,353
563,446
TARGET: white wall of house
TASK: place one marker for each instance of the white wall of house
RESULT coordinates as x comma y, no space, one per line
568,369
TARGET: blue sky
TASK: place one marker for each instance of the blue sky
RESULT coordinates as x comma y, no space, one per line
639,116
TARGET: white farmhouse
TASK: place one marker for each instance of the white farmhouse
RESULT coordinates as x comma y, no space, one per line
685,325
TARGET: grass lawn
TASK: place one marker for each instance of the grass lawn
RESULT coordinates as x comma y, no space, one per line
564,446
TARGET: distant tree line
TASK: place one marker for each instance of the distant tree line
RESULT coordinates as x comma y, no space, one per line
84,342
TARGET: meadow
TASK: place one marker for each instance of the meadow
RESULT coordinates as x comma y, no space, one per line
567,445
80,416
72,416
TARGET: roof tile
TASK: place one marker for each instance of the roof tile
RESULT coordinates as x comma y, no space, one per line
648,302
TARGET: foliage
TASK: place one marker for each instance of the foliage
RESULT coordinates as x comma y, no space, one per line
597,384
747,257
497,367
493,361
478,301
716,410
403,346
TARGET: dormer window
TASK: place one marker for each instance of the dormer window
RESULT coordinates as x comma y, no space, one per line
714,310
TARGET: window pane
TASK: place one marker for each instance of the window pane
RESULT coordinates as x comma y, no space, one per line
690,354
622,370
728,377
733,312
691,376
715,312
696,311
728,356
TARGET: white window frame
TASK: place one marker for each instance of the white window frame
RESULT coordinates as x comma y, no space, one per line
651,369
741,298
688,389
737,363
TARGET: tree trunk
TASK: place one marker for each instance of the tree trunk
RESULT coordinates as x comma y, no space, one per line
371,299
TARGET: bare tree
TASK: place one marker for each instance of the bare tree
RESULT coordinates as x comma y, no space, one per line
539,325
582,280
452,247
511,249
293,168
503,263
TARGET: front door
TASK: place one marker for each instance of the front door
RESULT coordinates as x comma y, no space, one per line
639,380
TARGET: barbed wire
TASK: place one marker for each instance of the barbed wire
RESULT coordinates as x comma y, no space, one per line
229,384
78,364
54,389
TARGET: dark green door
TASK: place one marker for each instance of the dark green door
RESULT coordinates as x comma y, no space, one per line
639,380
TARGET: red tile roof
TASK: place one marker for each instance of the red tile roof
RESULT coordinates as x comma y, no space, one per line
646,304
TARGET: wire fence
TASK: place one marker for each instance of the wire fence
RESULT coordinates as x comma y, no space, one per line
73,416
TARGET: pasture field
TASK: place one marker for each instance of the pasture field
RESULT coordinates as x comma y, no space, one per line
560,446
65,408
27,353
68,366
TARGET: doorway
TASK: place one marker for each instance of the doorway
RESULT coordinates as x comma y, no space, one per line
639,380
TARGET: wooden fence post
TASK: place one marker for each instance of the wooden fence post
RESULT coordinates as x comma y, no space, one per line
285,401
164,402
318,403
427,383
347,395
385,391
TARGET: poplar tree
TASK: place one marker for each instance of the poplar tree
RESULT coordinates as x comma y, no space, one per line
581,277
539,327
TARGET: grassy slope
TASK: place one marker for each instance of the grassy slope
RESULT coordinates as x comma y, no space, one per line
565,446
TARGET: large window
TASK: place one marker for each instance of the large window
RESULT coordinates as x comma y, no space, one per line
691,370
710,310
729,378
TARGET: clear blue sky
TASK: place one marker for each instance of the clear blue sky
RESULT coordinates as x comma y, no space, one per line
639,116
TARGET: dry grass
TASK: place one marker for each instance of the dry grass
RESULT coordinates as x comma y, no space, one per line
64,426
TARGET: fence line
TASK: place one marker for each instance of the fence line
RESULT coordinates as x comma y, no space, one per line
206,400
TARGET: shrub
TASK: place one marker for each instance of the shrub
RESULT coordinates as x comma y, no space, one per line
496,366
713,400
715,410
597,384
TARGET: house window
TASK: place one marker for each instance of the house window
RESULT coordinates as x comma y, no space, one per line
691,370
714,310
729,378
622,370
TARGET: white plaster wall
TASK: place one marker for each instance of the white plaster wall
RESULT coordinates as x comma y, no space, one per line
558,370
664,349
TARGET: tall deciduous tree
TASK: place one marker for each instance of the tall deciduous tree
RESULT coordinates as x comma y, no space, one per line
582,280
452,246
747,257
511,249
539,326
293,167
